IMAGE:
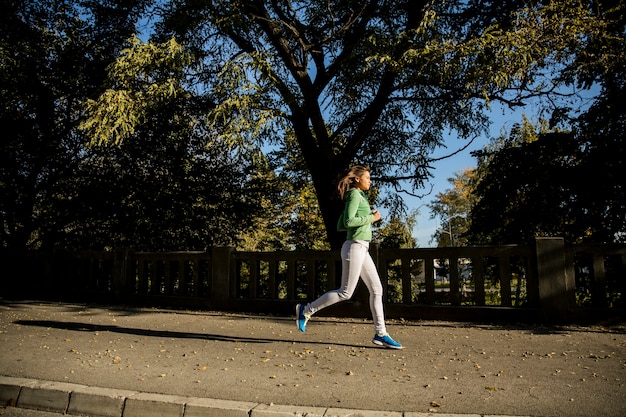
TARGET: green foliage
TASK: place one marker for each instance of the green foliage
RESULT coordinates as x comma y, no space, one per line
167,192
380,82
144,76
550,183
324,84
600,134
542,181
52,56
545,182
397,232
520,187
163,190
294,223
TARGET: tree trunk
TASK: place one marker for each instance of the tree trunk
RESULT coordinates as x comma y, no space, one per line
325,177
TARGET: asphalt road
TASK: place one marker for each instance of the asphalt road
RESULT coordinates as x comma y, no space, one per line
455,368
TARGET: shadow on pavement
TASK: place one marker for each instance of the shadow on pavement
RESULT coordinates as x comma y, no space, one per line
89,327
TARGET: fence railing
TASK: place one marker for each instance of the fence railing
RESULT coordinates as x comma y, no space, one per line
544,281
599,273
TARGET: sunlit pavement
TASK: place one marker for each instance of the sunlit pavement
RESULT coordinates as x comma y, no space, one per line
72,358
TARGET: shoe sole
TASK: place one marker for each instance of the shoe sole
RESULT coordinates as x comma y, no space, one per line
298,318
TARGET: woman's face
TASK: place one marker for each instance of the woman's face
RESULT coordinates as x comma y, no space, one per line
363,182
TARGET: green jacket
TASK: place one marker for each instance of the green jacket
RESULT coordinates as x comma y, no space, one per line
357,217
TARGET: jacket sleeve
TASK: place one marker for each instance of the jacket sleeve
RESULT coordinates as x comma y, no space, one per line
341,224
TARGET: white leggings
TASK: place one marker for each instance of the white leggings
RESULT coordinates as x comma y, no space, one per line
355,262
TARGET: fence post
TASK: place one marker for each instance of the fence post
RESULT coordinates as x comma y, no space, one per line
120,284
553,280
220,277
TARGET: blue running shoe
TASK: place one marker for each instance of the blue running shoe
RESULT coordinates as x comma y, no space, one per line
301,318
386,341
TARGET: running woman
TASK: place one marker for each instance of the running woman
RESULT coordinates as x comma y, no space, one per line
356,220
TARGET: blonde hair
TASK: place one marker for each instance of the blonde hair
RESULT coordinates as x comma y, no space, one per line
347,181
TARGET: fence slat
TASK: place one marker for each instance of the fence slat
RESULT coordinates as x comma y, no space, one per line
599,281
407,290
478,274
504,263
455,296
310,278
429,277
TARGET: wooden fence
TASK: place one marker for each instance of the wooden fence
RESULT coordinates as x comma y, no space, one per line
547,281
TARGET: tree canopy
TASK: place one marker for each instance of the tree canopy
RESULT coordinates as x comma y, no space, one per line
379,82
226,120
167,190
538,182
542,180
52,55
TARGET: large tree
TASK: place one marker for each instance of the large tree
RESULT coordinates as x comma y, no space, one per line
379,81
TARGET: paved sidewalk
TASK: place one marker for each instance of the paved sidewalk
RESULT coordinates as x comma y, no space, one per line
113,361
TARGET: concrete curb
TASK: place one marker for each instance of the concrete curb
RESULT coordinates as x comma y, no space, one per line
81,400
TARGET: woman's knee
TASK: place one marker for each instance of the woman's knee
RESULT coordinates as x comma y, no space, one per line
344,295
376,289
